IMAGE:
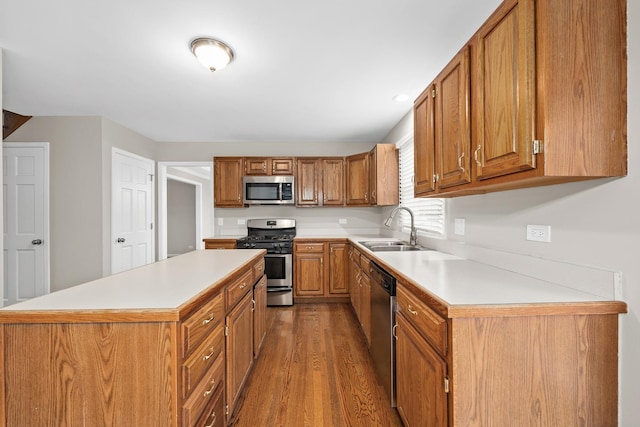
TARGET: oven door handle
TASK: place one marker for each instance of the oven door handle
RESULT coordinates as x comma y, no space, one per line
279,289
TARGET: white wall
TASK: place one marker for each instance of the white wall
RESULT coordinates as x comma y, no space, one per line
595,232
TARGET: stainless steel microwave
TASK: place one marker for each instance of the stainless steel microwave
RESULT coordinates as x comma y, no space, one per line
268,190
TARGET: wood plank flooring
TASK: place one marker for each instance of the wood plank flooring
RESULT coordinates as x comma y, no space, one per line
314,370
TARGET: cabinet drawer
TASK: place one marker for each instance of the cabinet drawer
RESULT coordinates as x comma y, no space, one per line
201,323
258,270
213,415
236,290
203,393
219,244
427,322
201,360
309,247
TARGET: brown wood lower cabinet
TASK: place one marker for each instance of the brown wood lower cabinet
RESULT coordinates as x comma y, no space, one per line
320,270
522,366
239,327
360,290
420,377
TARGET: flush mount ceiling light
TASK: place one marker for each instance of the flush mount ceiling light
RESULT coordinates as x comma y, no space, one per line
213,54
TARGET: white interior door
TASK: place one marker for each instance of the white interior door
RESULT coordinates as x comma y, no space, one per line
25,188
132,213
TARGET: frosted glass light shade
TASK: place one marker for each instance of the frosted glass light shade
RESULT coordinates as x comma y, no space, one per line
211,53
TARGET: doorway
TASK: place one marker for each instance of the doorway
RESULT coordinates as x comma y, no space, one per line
198,174
26,219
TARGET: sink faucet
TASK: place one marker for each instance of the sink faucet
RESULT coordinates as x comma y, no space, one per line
413,239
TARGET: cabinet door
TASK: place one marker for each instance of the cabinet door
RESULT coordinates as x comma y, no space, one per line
424,166
227,183
384,180
338,268
259,315
505,87
309,274
333,182
357,179
239,346
453,131
308,182
365,305
420,379
354,286
257,166
283,166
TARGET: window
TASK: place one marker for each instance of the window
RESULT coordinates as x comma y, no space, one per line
428,213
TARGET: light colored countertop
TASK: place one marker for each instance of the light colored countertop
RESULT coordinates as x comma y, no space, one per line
160,287
467,287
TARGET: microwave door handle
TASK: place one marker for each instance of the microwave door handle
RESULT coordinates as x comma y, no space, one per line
280,191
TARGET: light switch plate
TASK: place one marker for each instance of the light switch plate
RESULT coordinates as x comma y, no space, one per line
539,233
342,221
458,226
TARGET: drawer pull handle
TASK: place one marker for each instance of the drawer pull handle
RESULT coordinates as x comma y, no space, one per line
243,286
411,310
208,392
208,356
393,331
205,321
213,419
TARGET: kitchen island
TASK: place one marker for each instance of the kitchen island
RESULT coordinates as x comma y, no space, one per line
142,347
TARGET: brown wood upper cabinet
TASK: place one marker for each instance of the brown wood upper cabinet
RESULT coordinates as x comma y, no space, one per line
372,178
227,183
357,179
548,99
268,166
442,129
384,181
320,181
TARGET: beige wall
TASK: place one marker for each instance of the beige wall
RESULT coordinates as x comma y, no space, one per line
80,190
1,199
75,194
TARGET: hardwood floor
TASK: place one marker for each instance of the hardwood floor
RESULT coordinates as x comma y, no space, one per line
314,370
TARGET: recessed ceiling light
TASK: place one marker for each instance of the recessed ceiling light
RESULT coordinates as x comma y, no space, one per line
402,97
212,53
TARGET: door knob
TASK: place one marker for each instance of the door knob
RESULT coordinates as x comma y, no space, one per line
121,240
36,242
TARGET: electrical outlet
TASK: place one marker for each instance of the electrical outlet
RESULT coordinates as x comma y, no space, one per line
539,233
458,226
220,221
241,222
342,221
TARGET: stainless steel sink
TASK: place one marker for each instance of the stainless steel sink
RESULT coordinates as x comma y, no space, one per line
391,246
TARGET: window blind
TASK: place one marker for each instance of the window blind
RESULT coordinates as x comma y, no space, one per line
429,213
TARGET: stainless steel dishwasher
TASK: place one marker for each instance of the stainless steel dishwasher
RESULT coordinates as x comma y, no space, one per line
383,308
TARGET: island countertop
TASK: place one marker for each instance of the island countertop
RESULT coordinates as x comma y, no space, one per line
153,292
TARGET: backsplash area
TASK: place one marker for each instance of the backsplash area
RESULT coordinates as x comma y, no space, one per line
326,222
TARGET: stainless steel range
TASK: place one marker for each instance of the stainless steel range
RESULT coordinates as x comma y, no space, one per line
276,236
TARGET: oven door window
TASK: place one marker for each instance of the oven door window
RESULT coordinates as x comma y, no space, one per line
275,267
262,191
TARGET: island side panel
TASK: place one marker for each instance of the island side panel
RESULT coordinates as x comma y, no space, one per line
535,370
107,374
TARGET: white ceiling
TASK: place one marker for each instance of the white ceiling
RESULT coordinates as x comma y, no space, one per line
304,70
